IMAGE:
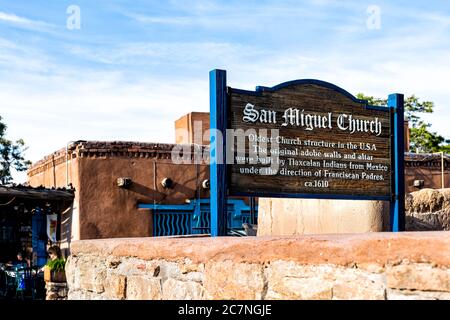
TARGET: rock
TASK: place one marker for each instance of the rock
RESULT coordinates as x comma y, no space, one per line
84,295
359,287
56,291
169,269
393,294
73,279
134,266
428,209
371,267
288,280
301,289
230,280
418,277
115,286
89,274
143,288
428,221
426,200
179,290
51,296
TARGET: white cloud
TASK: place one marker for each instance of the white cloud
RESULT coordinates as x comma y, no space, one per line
186,55
23,22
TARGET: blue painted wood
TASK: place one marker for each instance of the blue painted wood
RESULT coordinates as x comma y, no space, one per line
173,207
218,175
194,217
39,236
397,205
378,108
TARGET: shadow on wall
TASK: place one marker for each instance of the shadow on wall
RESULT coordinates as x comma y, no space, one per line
158,196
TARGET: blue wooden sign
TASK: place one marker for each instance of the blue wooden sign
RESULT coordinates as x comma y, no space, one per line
303,139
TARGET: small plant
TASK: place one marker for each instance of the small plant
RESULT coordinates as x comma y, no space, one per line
57,265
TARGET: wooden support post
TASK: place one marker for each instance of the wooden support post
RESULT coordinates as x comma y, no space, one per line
397,207
218,167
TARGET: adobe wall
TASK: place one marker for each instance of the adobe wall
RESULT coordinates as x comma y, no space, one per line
102,209
108,211
376,266
54,170
192,128
283,217
57,170
431,176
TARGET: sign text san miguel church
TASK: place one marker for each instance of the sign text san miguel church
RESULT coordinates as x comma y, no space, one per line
326,143
304,139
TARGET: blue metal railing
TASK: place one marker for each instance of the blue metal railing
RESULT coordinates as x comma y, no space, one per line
195,217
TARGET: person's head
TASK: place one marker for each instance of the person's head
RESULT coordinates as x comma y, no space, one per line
20,256
54,252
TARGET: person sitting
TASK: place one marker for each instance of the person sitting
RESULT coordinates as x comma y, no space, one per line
20,263
54,252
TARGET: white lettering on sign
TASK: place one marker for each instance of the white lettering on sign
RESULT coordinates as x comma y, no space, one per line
311,121
348,123
263,116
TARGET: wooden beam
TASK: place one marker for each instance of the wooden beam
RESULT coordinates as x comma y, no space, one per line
35,194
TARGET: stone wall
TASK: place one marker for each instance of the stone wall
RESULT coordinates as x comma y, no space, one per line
56,291
359,266
428,209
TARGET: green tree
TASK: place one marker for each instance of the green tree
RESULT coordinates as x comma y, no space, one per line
421,138
11,155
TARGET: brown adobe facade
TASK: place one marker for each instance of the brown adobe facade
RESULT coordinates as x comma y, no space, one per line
101,208
426,169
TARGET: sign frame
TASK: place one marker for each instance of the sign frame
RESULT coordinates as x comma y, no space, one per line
219,111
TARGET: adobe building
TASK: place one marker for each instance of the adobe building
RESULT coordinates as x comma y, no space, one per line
192,126
106,208
112,178
426,170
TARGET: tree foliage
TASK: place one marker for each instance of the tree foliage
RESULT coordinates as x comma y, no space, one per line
421,138
11,155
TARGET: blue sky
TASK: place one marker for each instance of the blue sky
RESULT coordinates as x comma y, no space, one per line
134,67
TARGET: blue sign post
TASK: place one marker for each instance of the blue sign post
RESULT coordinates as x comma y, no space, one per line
397,205
324,99
218,172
